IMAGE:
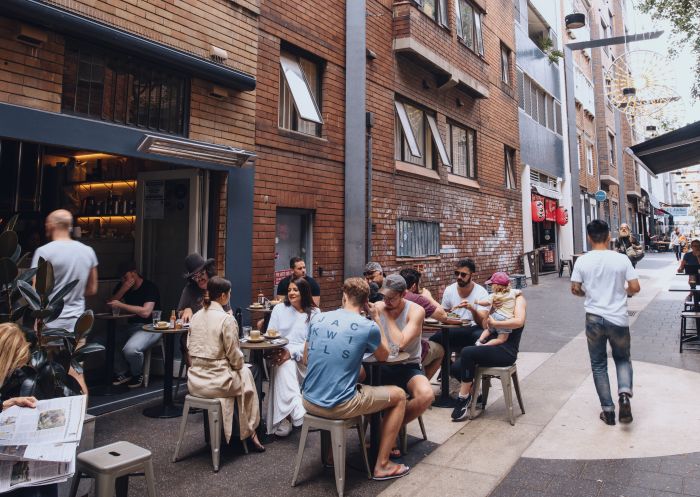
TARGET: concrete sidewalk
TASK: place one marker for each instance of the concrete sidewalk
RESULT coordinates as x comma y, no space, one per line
558,447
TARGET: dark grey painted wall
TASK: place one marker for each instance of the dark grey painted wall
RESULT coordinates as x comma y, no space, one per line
540,148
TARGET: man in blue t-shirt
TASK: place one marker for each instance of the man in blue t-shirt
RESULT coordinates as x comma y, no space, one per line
335,345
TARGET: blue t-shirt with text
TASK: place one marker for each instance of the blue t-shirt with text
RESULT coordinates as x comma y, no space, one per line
337,342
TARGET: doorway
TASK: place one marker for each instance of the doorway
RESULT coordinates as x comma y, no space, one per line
293,238
172,210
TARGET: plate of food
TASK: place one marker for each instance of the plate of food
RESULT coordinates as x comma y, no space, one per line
256,306
431,321
453,315
161,325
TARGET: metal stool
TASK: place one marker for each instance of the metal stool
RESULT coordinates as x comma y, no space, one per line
686,337
508,375
403,435
212,435
565,263
333,434
111,467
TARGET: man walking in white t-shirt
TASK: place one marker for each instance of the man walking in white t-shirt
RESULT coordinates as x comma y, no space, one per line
600,276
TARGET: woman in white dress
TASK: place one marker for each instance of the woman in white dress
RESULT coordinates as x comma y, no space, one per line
291,320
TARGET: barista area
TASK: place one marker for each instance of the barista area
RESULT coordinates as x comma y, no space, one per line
125,208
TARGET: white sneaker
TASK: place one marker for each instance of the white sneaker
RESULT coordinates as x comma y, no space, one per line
284,428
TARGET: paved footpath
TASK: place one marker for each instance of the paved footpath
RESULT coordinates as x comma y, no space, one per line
558,448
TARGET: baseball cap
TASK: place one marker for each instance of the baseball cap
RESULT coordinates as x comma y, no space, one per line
393,283
499,278
372,267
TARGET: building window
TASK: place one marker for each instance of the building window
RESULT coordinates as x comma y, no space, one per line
463,151
589,158
505,64
542,107
469,25
557,118
417,238
416,134
611,148
105,85
437,9
604,34
300,94
521,88
579,151
510,171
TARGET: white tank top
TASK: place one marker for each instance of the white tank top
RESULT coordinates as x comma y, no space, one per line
413,348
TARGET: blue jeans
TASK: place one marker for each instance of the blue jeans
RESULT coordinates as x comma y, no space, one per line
130,360
598,332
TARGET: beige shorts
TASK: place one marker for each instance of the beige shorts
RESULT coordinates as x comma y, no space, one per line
367,400
435,351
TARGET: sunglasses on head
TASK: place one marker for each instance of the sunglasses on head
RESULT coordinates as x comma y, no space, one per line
461,274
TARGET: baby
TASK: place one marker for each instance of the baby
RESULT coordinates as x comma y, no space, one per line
502,303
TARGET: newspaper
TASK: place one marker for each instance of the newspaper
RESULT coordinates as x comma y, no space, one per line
38,446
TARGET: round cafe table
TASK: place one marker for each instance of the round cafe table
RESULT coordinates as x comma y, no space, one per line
167,409
111,319
257,351
445,399
375,379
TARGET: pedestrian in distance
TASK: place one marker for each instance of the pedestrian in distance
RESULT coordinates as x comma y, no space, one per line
675,243
600,275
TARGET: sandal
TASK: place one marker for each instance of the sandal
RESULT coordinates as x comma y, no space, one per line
257,446
399,470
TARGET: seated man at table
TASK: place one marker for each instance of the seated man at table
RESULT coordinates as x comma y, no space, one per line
336,344
433,352
403,323
461,299
134,295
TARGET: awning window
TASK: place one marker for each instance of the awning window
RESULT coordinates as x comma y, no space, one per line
438,140
406,128
304,101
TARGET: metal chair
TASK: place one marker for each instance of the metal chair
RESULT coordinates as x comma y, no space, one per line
111,467
508,375
333,435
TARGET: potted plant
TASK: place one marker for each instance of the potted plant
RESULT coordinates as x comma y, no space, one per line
54,350
546,44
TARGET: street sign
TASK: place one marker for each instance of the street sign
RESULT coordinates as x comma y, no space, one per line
601,196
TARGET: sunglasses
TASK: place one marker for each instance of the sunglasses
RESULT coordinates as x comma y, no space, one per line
461,274
198,276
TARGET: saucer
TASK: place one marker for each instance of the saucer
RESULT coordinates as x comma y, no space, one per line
255,340
272,337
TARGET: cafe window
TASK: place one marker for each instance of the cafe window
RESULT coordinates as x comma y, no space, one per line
300,94
463,151
436,9
469,25
505,64
417,137
417,238
110,86
510,171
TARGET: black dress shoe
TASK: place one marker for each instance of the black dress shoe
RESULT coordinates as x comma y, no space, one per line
608,417
625,408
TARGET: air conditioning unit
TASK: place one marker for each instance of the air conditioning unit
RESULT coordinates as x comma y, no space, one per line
29,35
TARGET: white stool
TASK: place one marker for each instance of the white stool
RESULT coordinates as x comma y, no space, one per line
483,379
337,429
107,464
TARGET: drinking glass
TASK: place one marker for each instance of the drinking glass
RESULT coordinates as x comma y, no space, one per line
116,310
156,317
246,331
393,350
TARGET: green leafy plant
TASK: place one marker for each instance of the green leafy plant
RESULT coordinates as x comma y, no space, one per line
54,350
546,44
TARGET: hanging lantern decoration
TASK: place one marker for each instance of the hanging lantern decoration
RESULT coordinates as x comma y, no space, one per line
537,207
550,210
562,216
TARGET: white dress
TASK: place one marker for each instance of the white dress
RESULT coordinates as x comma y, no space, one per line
286,397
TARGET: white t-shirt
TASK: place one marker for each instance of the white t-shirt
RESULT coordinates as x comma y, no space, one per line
71,260
292,325
451,298
603,274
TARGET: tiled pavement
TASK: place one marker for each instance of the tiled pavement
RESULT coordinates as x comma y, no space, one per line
555,319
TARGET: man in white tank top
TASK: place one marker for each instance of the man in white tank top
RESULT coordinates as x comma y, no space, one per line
403,322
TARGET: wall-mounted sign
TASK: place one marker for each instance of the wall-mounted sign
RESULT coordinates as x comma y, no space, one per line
677,211
601,196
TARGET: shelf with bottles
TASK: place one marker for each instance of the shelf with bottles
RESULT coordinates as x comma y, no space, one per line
104,198
114,185
114,226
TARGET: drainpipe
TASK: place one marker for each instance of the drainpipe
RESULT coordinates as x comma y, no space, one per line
355,246
370,125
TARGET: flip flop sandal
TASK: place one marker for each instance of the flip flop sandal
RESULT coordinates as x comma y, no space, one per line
395,475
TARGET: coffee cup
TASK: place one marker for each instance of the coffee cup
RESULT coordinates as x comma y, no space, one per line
273,333
255,334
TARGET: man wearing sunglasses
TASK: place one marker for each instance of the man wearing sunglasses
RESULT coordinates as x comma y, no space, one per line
461,298
374,274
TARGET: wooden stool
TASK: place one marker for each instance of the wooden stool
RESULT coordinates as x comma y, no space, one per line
213,418
508,375
565,263
333,434
111,467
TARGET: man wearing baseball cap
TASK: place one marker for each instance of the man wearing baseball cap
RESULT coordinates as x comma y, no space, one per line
403,322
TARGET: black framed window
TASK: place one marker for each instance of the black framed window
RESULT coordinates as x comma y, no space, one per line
110,86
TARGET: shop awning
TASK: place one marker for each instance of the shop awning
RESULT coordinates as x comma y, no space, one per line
668,152
82,27
547,192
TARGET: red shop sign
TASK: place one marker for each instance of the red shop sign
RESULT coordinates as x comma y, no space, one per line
550,210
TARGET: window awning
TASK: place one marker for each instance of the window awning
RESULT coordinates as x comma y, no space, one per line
82,27
668,152
547,192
